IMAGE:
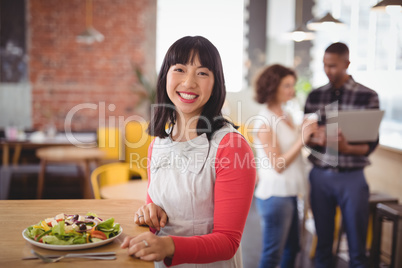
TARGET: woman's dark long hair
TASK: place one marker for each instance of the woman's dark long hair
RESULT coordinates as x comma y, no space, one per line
184,51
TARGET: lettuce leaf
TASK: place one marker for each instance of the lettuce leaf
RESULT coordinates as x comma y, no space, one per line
79,240
107,225
109,228
32,232
54,240
59,229
51,239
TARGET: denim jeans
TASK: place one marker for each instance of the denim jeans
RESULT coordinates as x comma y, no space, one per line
350,191
280,228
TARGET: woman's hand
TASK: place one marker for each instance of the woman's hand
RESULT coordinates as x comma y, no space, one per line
149,247
151,215
309,127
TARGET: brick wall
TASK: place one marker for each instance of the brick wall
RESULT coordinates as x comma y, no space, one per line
64,73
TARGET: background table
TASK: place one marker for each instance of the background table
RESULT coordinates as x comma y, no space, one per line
16,215
69,154
134,189
84,139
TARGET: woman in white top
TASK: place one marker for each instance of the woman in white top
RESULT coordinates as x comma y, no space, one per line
281,171
199,194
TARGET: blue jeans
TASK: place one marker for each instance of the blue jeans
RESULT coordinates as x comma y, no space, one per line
350,191
280,228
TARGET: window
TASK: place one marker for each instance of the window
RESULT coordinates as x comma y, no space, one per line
15,93
221,22
12,42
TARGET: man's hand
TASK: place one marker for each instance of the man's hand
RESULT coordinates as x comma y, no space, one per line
352,149
343,145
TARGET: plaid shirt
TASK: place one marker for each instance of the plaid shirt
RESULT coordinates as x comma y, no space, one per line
323,100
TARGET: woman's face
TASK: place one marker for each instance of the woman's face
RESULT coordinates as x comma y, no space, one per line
189,87
286,89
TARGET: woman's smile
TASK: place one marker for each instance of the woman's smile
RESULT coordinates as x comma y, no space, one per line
187,97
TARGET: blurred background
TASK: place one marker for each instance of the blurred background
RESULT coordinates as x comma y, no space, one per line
105,54
84,65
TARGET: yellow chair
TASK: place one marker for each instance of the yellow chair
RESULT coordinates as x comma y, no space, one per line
245,131
136,143
114,173
109,141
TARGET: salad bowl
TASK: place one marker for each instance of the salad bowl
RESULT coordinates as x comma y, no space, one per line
70,247
72,232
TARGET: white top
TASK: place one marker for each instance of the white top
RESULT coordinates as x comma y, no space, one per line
293,180
188,195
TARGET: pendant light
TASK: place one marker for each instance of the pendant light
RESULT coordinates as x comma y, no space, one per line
389,6
90,35
301,33
328,19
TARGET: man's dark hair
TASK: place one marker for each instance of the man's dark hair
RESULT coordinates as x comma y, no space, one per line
338,48
184,51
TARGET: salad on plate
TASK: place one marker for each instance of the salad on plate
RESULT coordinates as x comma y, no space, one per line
64,229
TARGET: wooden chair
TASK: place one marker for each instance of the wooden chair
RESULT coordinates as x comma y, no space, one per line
109,141
114,173
246,133
136,143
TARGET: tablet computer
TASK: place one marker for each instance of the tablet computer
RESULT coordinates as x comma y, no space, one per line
358,125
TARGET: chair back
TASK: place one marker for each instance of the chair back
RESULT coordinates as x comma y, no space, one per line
246,132
113,173
136,143
109,141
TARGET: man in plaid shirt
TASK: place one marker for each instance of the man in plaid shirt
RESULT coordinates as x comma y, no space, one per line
337,178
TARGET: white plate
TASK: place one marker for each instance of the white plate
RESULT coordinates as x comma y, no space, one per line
71,247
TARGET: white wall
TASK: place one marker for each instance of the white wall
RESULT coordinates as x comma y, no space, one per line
281,20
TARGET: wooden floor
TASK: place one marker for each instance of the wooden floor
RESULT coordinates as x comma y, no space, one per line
64,183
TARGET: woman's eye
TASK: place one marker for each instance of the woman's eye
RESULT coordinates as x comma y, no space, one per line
203,73
178,70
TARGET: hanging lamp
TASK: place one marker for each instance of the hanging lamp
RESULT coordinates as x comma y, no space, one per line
328,19
389,6
90,34
301,33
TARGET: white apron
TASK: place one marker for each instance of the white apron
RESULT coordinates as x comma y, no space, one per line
182,183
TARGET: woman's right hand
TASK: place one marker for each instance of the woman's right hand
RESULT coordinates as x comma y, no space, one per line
151,215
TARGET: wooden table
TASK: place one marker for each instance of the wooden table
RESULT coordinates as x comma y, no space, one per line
70,154
134,189
61,139
16,215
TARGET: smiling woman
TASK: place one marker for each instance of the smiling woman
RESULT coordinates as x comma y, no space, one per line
192,166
